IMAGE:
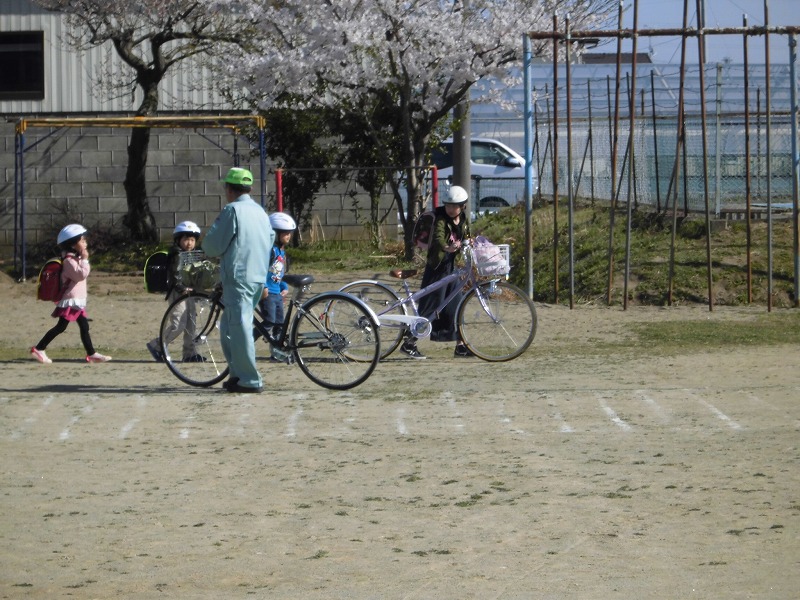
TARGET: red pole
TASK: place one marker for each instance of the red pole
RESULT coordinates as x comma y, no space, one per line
279,189
435,185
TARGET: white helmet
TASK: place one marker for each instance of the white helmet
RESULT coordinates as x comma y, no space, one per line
70,231
456,195
185,227
282,222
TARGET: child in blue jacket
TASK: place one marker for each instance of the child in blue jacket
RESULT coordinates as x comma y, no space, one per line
275,288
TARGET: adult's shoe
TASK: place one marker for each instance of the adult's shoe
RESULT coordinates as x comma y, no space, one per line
243,389
155,352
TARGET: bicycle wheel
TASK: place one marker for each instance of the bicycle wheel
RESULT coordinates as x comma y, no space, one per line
190,339
379,298
335,340
496,321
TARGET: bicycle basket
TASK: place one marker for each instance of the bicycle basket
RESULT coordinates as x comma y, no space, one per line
491,259
196,271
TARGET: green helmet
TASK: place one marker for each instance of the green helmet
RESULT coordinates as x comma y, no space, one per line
239,176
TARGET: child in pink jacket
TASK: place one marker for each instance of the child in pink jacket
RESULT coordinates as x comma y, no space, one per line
72,305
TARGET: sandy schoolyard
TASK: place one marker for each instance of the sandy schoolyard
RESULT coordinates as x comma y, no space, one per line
573,472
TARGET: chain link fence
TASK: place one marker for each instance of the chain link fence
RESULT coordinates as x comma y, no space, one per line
654,153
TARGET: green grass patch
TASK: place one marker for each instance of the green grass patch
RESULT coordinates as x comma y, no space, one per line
766,330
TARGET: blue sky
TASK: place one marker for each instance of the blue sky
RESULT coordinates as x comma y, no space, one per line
655,14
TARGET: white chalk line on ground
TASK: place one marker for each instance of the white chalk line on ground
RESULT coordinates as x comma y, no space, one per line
777,409
130,425
457,417
240,418
760,401
294,418
657,409
67,431
716,412
506,420
348,400
400,421
563,425
31,419
187,427
615,418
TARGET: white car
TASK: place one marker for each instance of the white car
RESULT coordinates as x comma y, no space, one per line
497,172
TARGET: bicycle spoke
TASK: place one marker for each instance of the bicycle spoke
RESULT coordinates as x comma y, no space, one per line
497,321
190,340
336,341
380,298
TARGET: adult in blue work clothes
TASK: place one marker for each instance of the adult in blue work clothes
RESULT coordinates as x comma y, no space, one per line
243,238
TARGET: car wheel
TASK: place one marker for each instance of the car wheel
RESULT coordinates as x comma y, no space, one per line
493,202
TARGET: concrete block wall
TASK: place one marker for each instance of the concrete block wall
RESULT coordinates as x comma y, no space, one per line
83,169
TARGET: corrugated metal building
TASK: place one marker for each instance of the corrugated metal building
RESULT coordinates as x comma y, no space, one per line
68,77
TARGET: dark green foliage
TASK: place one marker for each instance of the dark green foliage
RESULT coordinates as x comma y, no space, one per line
295,139
650,251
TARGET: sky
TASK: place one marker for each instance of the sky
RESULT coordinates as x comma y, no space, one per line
658,14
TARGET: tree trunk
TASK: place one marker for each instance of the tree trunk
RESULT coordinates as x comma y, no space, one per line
139,220
414,206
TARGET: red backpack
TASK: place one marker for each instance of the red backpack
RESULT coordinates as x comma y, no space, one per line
48,284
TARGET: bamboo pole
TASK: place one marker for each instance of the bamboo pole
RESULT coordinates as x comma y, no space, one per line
767,98
555,163
591,141
570,196
655,138
747,179
631,154
795,173
702,61
679,143
614,144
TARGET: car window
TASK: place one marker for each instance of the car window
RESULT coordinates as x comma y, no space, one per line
488,154
442,157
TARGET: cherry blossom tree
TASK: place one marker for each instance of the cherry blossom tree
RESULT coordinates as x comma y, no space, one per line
151,37
401,66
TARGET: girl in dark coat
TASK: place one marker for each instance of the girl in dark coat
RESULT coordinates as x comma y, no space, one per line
450,227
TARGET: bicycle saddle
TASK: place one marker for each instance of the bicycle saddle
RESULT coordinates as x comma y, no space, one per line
298,280
403,273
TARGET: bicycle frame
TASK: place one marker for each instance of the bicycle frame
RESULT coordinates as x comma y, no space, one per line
300,284
300,287
466,275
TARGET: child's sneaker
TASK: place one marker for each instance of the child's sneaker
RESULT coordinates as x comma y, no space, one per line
409,348
40,356
462,351
155,352
97,358
195,358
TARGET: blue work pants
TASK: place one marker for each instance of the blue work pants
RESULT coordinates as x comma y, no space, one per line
236,328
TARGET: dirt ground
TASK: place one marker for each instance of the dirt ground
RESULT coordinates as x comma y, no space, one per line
585,477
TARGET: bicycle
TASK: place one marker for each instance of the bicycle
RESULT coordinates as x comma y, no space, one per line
495,319
333,337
